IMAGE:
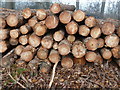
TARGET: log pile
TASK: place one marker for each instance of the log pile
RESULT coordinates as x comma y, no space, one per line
59,34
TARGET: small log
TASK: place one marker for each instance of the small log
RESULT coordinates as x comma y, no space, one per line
42,53
80,61
112,40
34,40
23,39
24,29
19,49
71,38
116,52
99,59
39,29
108,28
4,33
57,8
95,32
54,56
67,62
72,27
64,47
78,49
79,15
101,42
51,22
13,41
58,35
106,53
55,45
91,56
65,17
14,33
41,14
3,46
84,30
47,41
2,22
32,21
90,21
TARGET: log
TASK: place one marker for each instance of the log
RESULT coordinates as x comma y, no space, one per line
108,28
118,32
80,61
23,39
54,56
99,59
2,22
79,15
84,30
67,62
14,33
101,42
32,21
3,46
91,43
90,21
34,40
25,29
72,27
39,29
13,41
64,47
116,52
58,35
51,21
106,53
41,14
91,56
42,53
71,38
14,20
65,17
4,33
78,49
55,45
112,40
95,32
30,48
19,49
57,8
47,41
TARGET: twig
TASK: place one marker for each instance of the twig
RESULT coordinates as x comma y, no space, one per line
16,81
53,74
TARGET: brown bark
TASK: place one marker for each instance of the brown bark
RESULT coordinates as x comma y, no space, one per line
58,35
34,40
78,49
14,33
2,22
80,61
42,53
71,38
24,29
19,49
14,20
3,46
90,21
91,56
47,41
39,29
32,21
23,39
101,42
65,17
57,8
64,47
13,41
84,30
72,27
116,52
79,15
54,56
41,14
95,32
4,34
106,53
51,22
108,28
67,62
112,40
